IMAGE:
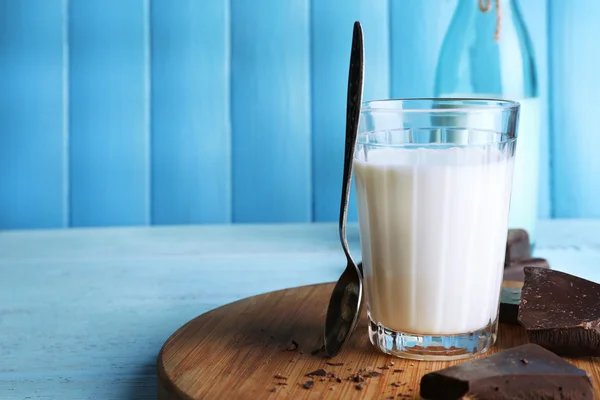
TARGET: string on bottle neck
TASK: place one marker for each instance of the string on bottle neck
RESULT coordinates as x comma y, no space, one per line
485,6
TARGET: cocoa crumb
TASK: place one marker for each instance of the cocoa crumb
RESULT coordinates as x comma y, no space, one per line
308,384
318,372
334,364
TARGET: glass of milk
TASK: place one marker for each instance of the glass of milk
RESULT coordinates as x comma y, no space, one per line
433,184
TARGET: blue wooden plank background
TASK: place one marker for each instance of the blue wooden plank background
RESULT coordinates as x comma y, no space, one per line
146,112
270,110
109,112
34,134
191,144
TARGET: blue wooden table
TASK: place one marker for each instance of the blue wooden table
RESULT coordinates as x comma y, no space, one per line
84,312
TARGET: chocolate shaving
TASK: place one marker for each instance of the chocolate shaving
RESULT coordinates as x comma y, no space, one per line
334,364
308,384
384,367
373,374
279,376
319,372
396,371
338,380
281,383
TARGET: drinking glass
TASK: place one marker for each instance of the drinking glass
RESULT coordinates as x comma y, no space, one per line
433,185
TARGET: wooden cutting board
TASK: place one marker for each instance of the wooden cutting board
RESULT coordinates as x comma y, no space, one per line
236,352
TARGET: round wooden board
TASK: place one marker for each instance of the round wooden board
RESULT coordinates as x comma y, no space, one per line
235,351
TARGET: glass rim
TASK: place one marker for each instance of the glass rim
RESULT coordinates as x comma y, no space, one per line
472,104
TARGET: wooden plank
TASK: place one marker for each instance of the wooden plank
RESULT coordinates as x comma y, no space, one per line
109,97
331,31
33,150
191,174
270,108
575,85
535,13
417,31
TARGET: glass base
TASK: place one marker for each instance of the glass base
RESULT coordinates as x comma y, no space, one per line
432,347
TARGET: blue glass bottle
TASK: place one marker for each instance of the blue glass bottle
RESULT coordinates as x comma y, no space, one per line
487,52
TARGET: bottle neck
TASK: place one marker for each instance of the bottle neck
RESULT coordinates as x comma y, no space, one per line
493,14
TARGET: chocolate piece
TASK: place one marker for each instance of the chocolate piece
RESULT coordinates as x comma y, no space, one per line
334,364
508,313
511,296
308,384
319,372
517,245
561,312
514,270
504,376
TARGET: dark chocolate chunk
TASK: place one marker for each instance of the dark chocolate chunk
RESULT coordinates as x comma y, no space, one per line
308,384
511,296
517,246
503,376
561,312
319,372
508,313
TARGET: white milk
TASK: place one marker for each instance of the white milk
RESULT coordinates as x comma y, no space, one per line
433,226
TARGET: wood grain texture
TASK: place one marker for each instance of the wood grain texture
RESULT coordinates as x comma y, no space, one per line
236,351
270,111
109,112
84,312
33,151
331,32
575,85
191,146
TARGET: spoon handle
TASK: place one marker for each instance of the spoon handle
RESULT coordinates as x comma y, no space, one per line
355,88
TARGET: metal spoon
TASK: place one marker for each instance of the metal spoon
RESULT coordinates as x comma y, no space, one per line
346,300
